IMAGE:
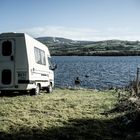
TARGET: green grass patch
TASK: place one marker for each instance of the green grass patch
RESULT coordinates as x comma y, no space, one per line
65,114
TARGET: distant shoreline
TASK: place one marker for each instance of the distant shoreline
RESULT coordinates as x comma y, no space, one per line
100,53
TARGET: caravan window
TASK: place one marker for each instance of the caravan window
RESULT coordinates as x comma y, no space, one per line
7,48
39,56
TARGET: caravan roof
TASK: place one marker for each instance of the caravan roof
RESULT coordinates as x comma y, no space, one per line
14,34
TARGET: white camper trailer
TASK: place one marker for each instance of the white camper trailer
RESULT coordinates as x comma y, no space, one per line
24,64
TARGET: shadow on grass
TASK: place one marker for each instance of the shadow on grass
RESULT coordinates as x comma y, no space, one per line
13,94
78,129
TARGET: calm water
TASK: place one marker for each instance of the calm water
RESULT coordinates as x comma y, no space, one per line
95,72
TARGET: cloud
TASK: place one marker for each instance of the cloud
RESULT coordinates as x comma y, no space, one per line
59,31
82,33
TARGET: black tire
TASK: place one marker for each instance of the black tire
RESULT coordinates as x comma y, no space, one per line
49,89
35,91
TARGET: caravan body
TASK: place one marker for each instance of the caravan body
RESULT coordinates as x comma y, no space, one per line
24,64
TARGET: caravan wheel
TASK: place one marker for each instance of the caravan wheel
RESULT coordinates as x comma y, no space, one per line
36,90
50,89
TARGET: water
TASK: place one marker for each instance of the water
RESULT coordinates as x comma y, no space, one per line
95,72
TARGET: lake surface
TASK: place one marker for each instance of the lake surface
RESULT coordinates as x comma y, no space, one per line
95,72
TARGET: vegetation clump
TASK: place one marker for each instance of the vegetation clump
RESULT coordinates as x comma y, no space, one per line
128,105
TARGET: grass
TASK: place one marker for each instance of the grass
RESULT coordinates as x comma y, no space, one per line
65,114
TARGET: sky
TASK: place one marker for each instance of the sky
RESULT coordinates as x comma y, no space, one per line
74,19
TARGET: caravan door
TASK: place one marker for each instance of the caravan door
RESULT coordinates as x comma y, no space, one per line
7,63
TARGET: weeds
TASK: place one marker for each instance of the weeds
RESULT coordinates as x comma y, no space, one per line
128,106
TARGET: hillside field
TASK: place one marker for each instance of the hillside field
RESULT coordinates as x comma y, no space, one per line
63,46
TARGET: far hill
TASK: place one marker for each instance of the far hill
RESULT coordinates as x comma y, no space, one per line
63,46
54,40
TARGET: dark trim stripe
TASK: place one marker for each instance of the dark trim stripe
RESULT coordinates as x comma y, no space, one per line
30,81
25,82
